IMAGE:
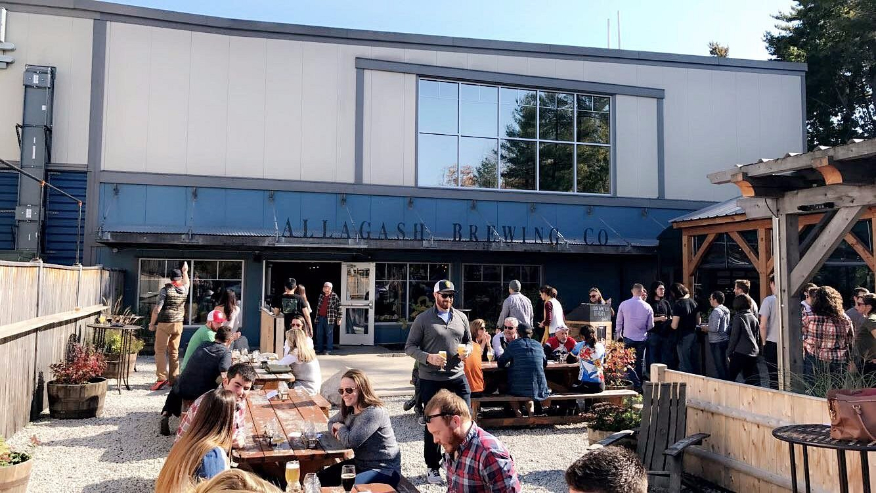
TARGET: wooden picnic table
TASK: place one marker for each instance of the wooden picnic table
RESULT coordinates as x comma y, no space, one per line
361,488
269,380
560,376
288,417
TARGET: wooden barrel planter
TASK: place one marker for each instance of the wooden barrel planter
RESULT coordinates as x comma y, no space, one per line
76,401
595,436
112,366
14,479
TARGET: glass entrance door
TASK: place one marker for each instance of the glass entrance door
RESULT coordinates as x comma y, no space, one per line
357,304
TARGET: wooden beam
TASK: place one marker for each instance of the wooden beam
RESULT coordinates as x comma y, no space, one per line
710,221
861,249
695,262
726,228
686,258
855,196
745,248
764,256
816,231
829,172
758,207
824,245
786,256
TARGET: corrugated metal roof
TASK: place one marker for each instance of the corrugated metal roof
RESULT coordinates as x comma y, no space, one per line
197,230
722,209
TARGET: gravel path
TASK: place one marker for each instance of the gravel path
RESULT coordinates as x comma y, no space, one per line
123,452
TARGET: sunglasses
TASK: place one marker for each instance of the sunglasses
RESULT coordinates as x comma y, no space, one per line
593,296
296,325
509,327
428,418
447,296
347,390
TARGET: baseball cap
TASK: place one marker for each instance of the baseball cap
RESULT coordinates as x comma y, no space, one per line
175,275
444,286
217,316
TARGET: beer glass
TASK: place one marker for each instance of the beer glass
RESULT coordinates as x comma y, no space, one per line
460,350
348,477
443,354
293,475
490,355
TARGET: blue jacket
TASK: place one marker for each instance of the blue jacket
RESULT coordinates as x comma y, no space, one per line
525,361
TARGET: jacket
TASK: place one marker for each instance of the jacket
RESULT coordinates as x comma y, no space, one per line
525,360
333,313
742,334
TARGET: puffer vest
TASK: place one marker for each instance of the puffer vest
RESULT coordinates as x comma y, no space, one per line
173,309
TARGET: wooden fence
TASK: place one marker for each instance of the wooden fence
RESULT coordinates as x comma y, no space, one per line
42,306
742,455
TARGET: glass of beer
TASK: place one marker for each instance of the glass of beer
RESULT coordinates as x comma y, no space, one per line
443,354
491,355
293,476
348,477
460,350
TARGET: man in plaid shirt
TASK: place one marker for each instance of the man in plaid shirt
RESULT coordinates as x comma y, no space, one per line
328,315
238,380
474,460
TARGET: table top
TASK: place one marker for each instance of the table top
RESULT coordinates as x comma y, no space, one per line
361,488
288,417
265,376
815,435
113,327
552,366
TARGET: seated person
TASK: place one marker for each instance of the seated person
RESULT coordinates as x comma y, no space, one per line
525,361
205,333
559,346
238,380
505,336
481,337
363,425
591,355
207,364
236,480
202,452
302,358
607,470
474,373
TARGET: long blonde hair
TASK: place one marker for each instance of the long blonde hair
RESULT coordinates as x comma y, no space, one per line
212,426
236,480
297,339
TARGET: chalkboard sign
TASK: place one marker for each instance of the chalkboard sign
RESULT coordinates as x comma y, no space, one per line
590,313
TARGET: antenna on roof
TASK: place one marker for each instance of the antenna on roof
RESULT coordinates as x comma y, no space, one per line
608,32
618,30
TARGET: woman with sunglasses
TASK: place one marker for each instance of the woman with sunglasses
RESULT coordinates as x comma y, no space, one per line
363,425
597,299
302,358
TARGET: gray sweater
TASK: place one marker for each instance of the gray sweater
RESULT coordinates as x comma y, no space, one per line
370,435
742,335
719,324
430,334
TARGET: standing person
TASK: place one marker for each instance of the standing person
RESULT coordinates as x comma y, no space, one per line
591,357
865,339
474,372
634,319
808,294
718,329
167,323
661,338
441,328
292,305
553,312
827,335
516,305
474,460
684,323
743,286
853,313
525,361
596,298
363,425
328,315
769,334
302,358
205,333
230,306
505,336
742,350
202,452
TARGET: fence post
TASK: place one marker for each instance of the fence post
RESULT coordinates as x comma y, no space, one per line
658,372
39,295
79,289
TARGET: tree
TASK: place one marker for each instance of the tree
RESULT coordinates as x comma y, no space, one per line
716,49
837,39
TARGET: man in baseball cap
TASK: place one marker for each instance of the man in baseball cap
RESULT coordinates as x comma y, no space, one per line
440,340
205,333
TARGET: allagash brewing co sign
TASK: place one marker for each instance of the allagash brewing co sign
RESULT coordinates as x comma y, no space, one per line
401,231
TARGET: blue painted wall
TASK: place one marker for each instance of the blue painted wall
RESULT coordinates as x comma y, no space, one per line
8,201
62,214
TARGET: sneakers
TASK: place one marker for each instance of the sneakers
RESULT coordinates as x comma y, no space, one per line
409,404
433,476
158,385
165,426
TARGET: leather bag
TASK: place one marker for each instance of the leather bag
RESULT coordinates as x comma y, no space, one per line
852,414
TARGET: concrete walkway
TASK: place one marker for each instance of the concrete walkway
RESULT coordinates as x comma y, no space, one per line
389,371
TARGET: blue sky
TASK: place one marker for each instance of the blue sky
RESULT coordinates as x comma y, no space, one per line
672,26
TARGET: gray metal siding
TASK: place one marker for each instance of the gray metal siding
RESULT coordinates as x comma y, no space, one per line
62,214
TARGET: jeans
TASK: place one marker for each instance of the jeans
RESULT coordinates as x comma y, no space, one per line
689,354
331,476
747,365
719,357
428,389
324,334
639,347
771,358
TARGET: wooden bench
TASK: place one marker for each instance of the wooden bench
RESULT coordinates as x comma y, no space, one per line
477,403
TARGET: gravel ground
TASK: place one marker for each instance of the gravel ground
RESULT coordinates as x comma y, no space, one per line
123,452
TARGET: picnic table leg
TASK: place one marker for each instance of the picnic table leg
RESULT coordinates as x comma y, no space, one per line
843,475
865,471
806,468
793,467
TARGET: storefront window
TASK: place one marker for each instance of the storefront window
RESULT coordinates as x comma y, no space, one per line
405,290
485,287
209,278
486,136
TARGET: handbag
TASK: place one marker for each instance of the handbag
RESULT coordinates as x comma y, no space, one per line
852,414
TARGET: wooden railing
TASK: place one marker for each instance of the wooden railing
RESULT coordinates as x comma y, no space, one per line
741,454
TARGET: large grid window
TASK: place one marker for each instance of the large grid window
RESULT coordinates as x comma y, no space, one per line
485,287
208,279
405,290
483,136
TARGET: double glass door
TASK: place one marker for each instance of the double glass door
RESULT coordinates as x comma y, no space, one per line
357,303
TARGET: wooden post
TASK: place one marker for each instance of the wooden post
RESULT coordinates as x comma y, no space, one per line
686,260
764,251
658,372
786,238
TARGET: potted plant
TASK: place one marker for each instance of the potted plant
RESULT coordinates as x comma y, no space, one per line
618,360
116,316
112,352
78,389
14,468
605,418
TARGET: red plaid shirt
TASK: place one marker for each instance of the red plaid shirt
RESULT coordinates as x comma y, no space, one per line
828,338
481,464
186,420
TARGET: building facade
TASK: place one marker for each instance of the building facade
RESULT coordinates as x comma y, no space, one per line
379,161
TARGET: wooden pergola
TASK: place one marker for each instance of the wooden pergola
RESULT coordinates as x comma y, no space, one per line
829,188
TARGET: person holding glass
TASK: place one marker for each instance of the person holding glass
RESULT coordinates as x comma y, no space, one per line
363,425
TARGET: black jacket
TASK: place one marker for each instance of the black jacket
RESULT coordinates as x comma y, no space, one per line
742,334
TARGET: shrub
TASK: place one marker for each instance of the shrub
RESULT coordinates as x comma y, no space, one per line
113,341
10,458
81,366
610,417
618,359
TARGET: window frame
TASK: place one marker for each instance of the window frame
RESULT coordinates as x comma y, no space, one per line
611,191
187,322
407,314
503,283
